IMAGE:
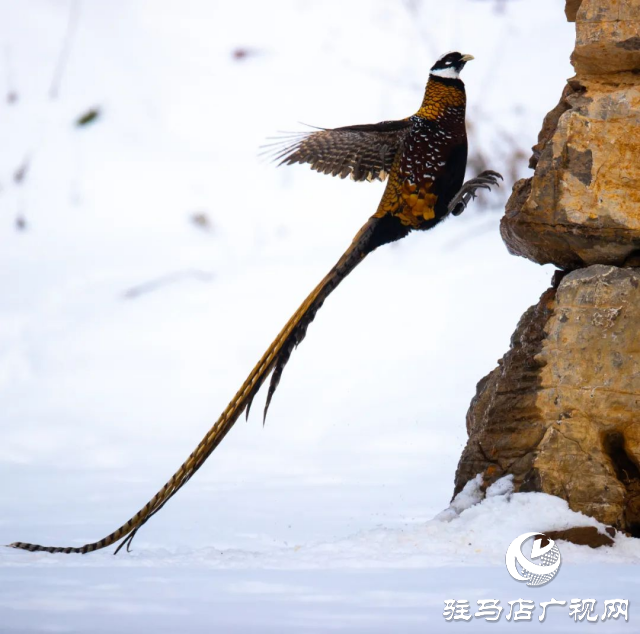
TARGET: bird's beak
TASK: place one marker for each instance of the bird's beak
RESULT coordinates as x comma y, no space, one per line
467,58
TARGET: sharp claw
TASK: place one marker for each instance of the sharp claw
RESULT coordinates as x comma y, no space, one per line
485,180
491,173
472,188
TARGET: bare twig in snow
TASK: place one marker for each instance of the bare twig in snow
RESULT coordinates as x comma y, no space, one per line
63,57
21,171
12,93
165,280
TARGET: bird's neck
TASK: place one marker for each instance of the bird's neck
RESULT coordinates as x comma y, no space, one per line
443,97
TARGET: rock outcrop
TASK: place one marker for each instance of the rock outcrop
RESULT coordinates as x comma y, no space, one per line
607,37
561,412
582,206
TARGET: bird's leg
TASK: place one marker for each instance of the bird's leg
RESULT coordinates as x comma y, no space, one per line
467,192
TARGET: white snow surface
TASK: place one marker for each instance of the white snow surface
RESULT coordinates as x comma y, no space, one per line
478,535
321,519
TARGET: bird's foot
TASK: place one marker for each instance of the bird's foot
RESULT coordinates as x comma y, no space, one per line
467,192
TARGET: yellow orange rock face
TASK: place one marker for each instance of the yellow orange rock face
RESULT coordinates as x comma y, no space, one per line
561,410
607,37
582,206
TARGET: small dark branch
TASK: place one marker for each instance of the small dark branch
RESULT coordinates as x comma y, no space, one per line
172,278
63,57
21,171
489,460
12,93
87,117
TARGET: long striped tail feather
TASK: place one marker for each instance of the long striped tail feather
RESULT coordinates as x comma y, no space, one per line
375,232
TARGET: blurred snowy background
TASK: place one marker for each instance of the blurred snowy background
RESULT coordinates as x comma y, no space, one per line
148,257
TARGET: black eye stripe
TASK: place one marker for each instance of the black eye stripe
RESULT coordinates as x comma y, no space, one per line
449,61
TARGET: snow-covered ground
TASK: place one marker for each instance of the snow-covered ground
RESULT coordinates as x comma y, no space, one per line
321,519
380,580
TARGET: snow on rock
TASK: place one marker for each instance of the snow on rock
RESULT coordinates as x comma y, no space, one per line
502,486
471,494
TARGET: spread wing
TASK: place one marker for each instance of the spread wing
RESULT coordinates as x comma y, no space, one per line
364,152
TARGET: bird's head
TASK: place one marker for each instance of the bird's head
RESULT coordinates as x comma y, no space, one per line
450,65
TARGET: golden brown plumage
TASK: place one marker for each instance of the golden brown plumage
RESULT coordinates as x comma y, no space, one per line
425,157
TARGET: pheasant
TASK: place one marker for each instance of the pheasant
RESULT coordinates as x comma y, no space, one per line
424,157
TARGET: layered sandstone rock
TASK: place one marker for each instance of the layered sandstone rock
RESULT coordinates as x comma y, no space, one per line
571,9
561,412
607,37
582,206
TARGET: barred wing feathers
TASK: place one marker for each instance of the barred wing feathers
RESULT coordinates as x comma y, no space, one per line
364,152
